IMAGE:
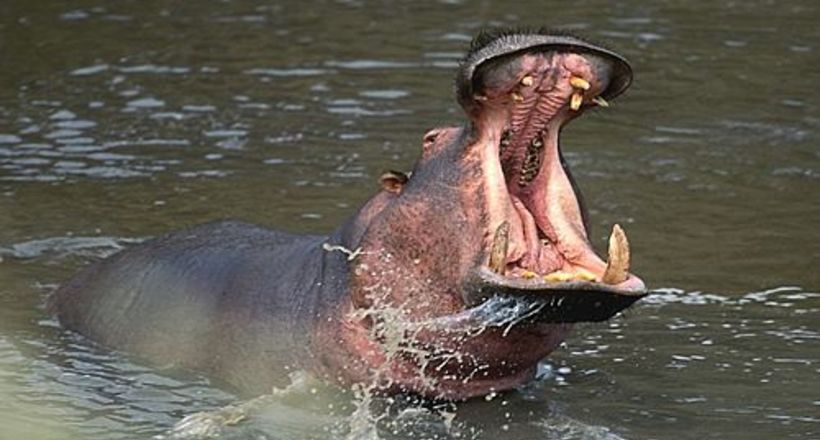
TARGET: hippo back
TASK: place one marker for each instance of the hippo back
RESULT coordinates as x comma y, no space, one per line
226,298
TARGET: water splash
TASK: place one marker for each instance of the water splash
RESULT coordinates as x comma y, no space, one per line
399,337
224,421
61,247
565,428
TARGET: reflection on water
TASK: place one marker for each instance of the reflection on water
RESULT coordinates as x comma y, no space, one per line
122,121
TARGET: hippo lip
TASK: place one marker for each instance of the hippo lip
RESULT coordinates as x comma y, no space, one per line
558,302
537,241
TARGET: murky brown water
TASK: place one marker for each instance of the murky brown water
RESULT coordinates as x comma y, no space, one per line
119,121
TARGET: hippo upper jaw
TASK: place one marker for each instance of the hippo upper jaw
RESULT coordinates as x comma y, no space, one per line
519,92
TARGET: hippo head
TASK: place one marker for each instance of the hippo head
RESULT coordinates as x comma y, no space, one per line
490,211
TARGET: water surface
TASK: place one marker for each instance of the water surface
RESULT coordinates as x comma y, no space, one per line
120,121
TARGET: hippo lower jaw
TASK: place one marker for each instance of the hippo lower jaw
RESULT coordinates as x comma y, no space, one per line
537,241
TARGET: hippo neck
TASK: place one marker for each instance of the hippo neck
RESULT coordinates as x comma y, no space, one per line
453,364
361,344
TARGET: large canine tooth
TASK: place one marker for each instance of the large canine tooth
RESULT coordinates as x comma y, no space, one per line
517,97
617,268
526,81
498,253
576,100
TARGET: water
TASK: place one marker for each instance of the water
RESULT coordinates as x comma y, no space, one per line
120,121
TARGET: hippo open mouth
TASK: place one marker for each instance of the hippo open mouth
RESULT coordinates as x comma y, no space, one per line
520,92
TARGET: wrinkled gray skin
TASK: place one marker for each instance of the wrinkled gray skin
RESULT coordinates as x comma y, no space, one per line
245,304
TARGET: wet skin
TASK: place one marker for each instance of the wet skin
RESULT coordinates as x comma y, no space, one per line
409,294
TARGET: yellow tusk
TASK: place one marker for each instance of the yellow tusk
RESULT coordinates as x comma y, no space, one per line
498,253
617,265
600,101
517,97
526,81
576,100
579,83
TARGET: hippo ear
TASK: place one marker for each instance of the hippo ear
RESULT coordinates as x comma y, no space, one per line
393,181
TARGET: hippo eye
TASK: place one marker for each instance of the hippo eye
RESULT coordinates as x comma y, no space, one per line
430,137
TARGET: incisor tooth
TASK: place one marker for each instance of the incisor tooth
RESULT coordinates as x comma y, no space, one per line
600,101
516,97
617,268
579,83
576,100
526,81
585,275
558,276
498,253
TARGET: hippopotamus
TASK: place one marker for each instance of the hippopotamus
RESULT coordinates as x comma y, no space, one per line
454,280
